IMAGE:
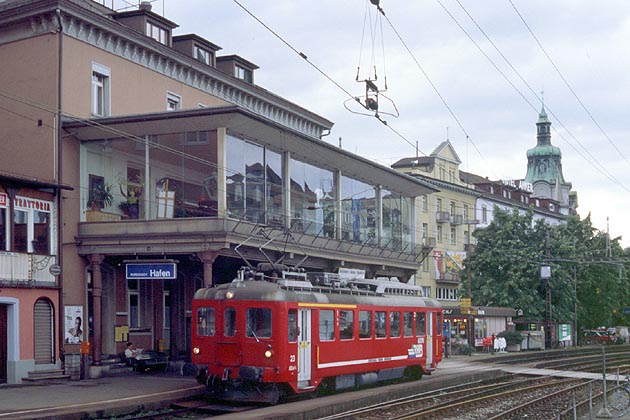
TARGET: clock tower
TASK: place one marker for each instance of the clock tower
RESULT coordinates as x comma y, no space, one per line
544,168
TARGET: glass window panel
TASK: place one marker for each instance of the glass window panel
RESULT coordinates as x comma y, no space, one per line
313,199
258,323
254,183
293,325
346,325
229,322
41,229
359,212
408,324
20,228
365,324
205,321
235,179
380,324
134,310
3,229
394,324
420,324
326,325
274,190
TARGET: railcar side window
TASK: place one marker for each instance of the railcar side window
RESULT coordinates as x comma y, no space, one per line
346,325
420,324
380,326
439,322
205,321
258,323
408,324
365,324
326,325
293,326
394,324
229,322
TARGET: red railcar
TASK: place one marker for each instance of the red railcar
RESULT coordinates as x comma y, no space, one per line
256,340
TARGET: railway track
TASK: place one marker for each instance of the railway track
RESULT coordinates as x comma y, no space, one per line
457,400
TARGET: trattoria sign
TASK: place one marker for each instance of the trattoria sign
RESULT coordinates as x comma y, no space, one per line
26,203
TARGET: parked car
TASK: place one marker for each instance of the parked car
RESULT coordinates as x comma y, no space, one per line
597,337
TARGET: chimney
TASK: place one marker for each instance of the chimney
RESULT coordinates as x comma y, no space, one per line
145,5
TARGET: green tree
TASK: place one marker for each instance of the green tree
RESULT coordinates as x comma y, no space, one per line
587,274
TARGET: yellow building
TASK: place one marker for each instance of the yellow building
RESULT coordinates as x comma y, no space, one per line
445,221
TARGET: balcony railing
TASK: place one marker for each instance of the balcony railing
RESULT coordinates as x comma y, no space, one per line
26,270
442,217
457,219
448,277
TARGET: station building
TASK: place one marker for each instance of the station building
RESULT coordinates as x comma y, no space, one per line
140,165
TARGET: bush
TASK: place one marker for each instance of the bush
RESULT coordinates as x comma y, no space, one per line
462,349
511,337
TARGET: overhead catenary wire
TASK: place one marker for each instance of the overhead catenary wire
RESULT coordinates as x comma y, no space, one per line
575,95
436,90
593,161
329,78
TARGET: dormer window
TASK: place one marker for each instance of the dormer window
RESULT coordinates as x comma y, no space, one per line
202,55
243,74
158,33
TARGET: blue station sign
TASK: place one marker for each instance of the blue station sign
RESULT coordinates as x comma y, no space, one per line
152,271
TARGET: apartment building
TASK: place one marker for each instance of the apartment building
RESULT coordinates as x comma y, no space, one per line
446,220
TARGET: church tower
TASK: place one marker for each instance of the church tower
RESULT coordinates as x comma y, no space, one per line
544,168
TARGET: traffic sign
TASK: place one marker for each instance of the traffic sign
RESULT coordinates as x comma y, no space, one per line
55,269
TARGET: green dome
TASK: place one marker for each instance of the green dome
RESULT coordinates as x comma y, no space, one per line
544,150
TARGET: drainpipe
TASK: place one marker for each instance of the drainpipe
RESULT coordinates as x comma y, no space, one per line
59,182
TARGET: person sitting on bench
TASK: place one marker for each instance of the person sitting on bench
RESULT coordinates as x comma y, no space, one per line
131,353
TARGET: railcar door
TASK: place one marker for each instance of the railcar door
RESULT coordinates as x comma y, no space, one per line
429,339
304,348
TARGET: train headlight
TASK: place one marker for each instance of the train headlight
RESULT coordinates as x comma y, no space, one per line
196,350
229,294
268,352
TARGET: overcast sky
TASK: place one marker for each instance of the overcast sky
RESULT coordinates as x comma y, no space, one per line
441,84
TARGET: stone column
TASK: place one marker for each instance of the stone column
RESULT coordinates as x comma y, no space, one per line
207,258
97,294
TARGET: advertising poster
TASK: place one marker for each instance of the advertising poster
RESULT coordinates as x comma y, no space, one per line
73,325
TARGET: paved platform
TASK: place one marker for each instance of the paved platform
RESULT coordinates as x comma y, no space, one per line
94,397
118,395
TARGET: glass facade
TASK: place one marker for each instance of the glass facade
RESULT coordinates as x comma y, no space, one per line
196,174
359,212
313,199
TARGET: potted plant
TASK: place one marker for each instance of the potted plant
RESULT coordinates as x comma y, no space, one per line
513,340
101,196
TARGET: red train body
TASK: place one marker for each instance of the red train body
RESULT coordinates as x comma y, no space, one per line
257,340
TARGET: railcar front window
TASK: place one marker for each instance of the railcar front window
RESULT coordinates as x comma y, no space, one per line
420,324
229,322
408,324
326,325
258,323
365,324
380,326
293,326
394,324
346,325
205,321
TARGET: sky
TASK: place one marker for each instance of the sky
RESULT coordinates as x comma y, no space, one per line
472,72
